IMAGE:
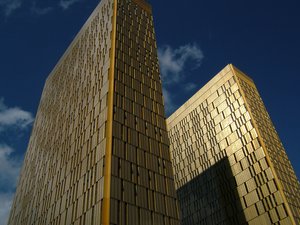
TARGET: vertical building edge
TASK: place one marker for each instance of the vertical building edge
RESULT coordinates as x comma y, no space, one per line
108,150
278,183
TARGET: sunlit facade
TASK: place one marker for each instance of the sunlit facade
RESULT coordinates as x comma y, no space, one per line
230,166
99,149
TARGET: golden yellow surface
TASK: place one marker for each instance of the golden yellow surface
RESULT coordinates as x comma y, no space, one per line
220,142
272,145
61,181
99,149
109,123
142,185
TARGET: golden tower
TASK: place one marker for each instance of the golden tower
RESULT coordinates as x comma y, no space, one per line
230,165
99,149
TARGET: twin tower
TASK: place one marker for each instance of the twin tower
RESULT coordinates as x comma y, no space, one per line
99,153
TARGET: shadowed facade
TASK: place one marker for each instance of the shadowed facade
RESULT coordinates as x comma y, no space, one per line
213,192
226,121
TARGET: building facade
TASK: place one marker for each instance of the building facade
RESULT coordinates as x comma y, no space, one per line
230,166
99,149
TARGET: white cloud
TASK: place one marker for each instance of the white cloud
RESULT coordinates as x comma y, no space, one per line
168,102
175,65
189,87
40,11
6,202
9,173
14,117
9,167
173,62
10,163
65,4
9,6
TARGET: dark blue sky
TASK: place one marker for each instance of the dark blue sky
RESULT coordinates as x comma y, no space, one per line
262,38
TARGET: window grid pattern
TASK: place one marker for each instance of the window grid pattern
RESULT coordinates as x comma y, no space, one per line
276,151
61,182
221,172
142,189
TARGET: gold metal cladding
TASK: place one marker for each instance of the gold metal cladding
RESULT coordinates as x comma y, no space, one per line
248,80
108,150
144,5
66,151
216,124
79,167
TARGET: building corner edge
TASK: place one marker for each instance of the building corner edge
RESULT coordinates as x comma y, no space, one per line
105,219
278,183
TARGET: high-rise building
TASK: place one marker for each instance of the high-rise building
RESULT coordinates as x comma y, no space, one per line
230,166
99,149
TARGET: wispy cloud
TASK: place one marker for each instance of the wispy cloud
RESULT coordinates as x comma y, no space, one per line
10,162
39,10
173,62
65,4
6,202
170,106
9,6
175,66
14,117
189,87
9,168
9,173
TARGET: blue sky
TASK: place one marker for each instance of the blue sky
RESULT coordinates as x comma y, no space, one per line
196,39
